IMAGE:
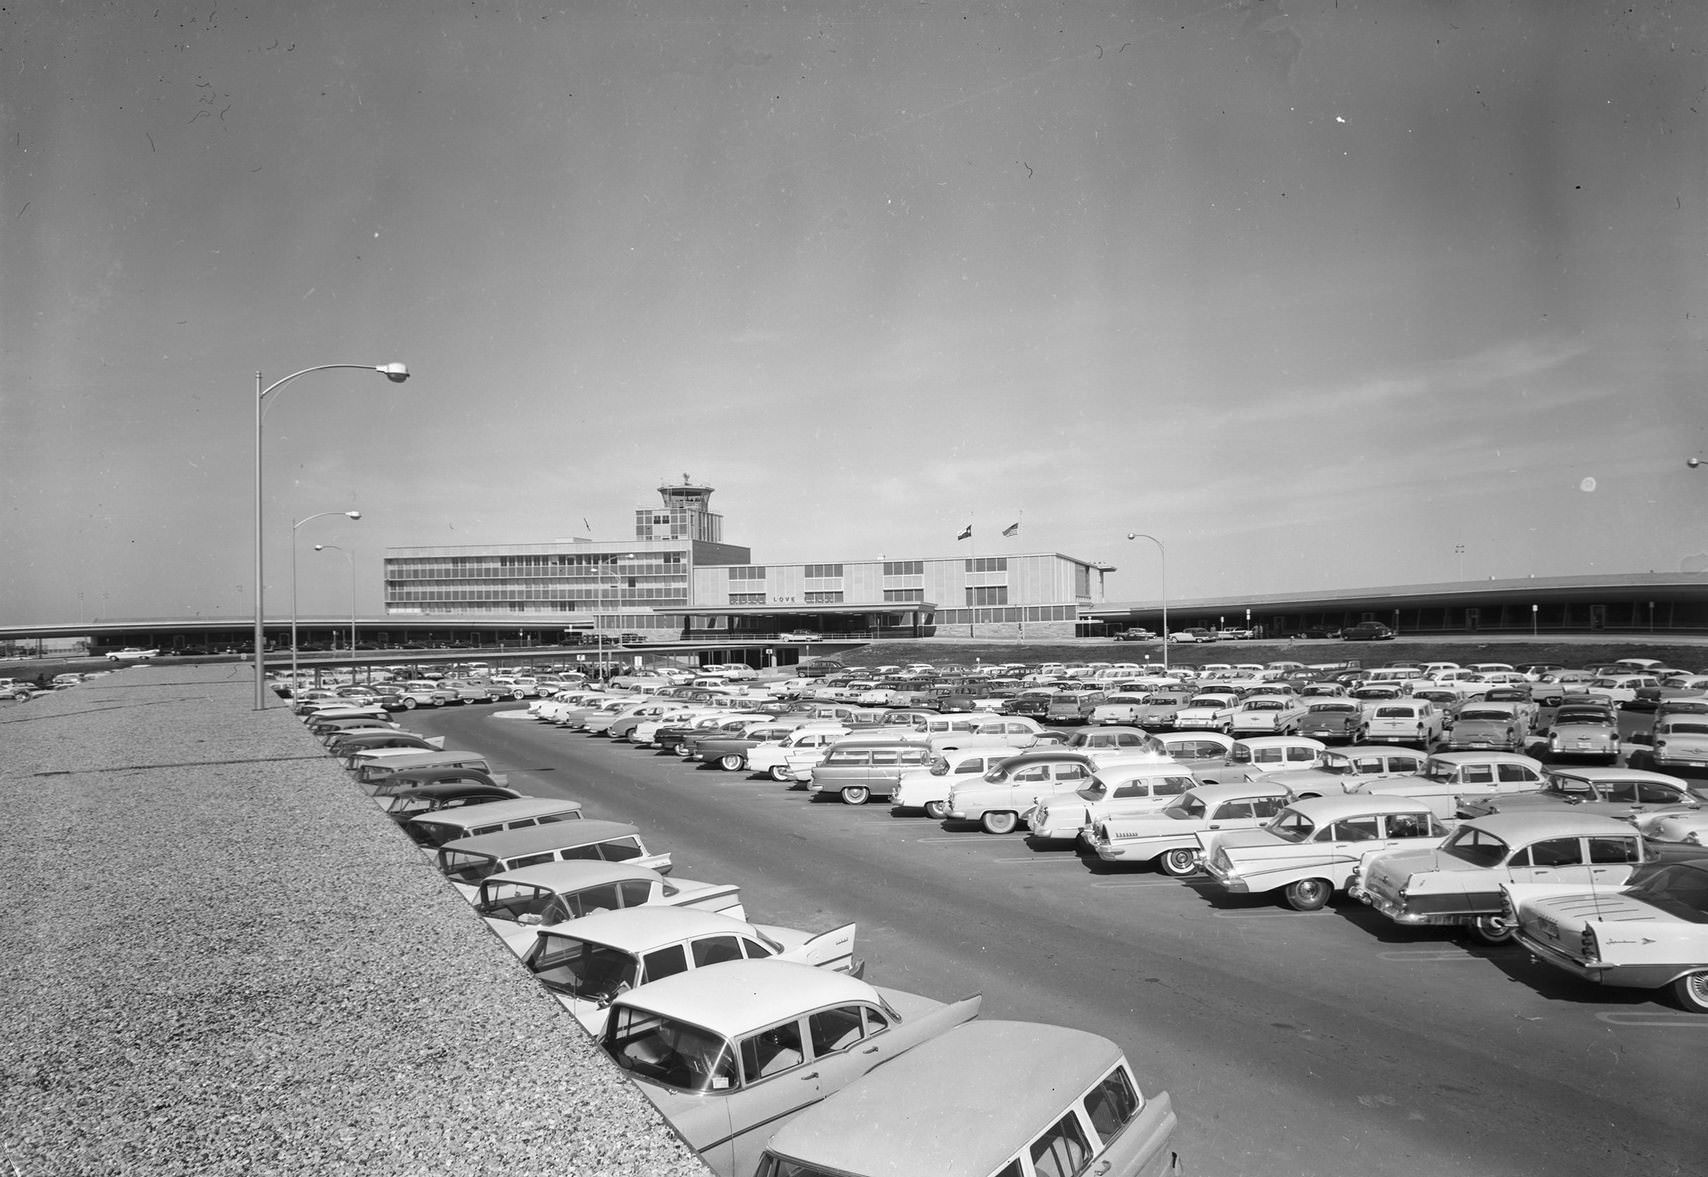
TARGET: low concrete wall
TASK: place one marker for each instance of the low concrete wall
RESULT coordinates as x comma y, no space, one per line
219,957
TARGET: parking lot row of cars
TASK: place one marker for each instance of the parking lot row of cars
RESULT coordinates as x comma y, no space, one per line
761,1044
1485,838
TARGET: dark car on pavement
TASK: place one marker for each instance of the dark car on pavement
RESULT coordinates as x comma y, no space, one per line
1367,631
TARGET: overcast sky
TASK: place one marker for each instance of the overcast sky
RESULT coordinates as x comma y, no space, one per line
1313,292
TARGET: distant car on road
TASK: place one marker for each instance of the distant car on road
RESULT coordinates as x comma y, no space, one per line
132,654
1367,631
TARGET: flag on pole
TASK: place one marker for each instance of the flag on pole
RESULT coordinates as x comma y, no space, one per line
966,532
587,525
1012,529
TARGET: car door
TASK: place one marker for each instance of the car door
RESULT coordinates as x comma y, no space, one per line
777,1080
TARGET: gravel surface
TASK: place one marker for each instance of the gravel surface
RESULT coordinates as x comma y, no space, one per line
219,957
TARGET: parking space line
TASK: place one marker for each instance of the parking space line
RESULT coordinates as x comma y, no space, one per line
1116,886
1657,1020
1044,858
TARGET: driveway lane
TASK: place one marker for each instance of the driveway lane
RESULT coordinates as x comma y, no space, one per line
1292,1043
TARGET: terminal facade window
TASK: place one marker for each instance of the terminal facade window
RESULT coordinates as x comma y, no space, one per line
904,567
917,594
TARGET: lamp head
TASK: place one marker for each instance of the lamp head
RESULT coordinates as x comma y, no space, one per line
395,372
353,514
320,547
1132,535
1693,462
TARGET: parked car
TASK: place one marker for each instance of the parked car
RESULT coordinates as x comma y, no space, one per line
587,962
1259,755
997,800
1459,882
1129,789
407,804
1267,715
1169,837
1650,934
857,773
1207,711
927,789
1367,631
467,861
1483,726
1585,732
517,903
1196,750
1330,718
1678,741
1308,850
1347,770
984,1098
437,827
730,1052
1411,721
1611,792
1110,738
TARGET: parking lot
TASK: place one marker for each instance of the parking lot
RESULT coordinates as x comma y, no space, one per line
1325,1042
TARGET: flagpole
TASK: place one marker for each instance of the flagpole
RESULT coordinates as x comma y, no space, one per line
973,615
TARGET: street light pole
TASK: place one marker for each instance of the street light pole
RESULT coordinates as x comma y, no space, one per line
1162,556
294,526
350,557
395,372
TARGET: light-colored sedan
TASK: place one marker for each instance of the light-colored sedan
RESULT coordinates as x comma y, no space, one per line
731,1052
1135,789
1170,837
1309,850
1650,934
1679,741
587,962
1266,715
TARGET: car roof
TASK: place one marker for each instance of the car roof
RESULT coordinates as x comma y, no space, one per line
573,874
1339,805
1610,774
997,1082
738,996
1284,741
1530,824
1487,758
557,835
496,811
455,789
1216,794
641,929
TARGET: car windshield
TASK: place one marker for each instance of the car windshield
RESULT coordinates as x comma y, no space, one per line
1395,713
673,1053
1292,826
1477,847
1188,808
1334,709
1679,889
465,868
1439,770
1686,729
1336,764
582,968
1264,705
1487,714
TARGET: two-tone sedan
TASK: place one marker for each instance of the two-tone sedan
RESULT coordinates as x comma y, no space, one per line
1481,726
1128,790
1332,719
1459,882
1612,792
1169,838
587,962
1309,850
731,1052
1266,715
1650,934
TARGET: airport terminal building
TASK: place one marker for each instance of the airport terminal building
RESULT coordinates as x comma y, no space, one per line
677,579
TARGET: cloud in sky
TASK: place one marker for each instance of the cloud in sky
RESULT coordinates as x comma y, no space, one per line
1315,292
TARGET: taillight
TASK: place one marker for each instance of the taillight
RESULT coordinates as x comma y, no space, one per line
1590,949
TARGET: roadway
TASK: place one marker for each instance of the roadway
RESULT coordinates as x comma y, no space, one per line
1305,1044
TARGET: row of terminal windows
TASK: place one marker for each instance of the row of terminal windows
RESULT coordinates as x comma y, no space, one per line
917,594
487,567
996,594
747,572
1028,613
904,567
821,571
988,564
567,596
